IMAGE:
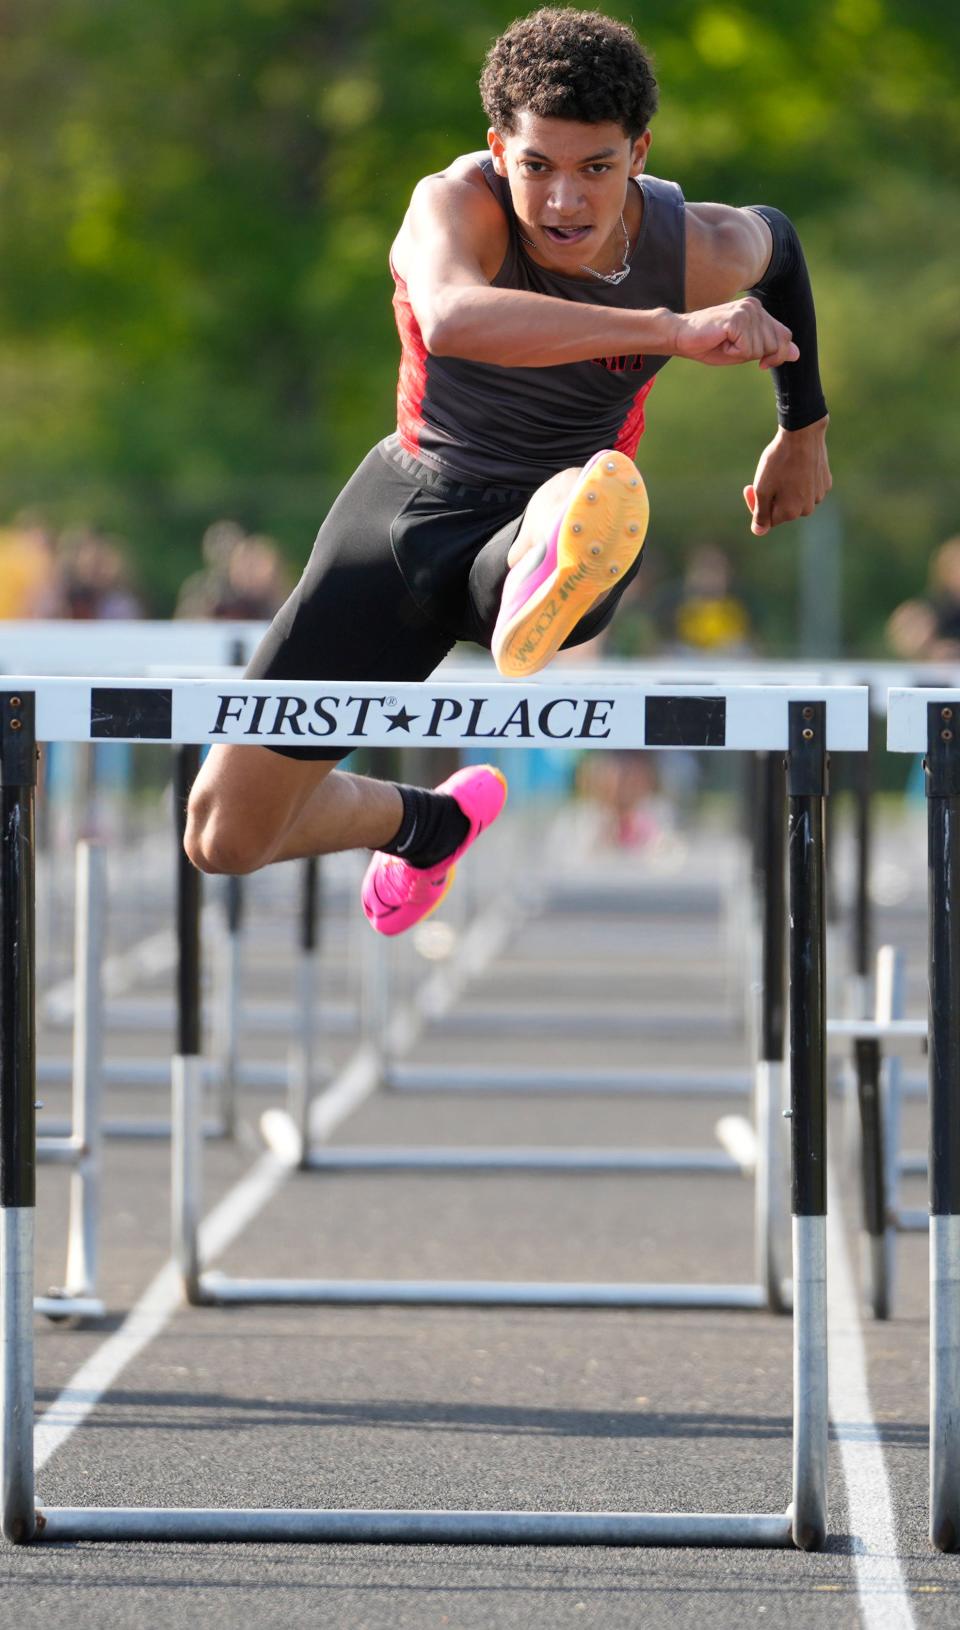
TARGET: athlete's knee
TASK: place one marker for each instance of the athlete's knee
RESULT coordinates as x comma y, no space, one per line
219,841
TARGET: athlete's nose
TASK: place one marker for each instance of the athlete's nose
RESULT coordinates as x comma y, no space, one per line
566,199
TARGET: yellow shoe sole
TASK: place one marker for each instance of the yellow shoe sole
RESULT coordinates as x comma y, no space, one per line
601,534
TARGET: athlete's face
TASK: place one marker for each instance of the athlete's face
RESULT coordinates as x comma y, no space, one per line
569,184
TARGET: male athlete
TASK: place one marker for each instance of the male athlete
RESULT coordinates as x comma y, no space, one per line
540,286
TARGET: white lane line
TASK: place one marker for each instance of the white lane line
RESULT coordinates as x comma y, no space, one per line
159,1302
881,1586
164,1296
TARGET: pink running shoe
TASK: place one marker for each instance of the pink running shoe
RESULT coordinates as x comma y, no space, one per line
598,535
394,895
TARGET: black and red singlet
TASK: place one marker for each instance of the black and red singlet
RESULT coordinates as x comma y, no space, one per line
480,423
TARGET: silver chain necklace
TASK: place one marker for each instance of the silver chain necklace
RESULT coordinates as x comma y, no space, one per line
624,271
603,277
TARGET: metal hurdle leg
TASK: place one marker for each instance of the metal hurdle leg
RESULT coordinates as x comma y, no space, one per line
873,1171
769,1084
186,1067
78,1144
858,1002
18,775
943,834
79,1293
227,1044
806,792
375,999
857,996
891,1001
302,1058
878,1081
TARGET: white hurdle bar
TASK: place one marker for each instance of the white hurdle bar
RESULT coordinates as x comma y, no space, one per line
804,725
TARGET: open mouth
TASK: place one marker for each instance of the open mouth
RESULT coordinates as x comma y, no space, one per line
566,234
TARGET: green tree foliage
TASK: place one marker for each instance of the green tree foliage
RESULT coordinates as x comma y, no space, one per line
198,202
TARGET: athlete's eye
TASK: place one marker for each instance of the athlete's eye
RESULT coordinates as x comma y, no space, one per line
533,165
599,169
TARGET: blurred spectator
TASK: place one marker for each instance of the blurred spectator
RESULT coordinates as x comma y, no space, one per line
928,629
912,630
96,579
243,578
704,614
204,590
29,575
945,593
257,582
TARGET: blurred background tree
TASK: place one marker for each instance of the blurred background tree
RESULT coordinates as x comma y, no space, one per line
198,202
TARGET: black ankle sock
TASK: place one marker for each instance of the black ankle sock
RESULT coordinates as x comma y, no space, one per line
433,826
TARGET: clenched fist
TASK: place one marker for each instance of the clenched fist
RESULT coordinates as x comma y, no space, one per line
740,331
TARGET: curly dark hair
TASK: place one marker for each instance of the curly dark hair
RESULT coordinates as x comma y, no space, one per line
565,64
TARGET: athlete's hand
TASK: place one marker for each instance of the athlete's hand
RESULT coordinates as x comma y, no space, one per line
741,331
792,477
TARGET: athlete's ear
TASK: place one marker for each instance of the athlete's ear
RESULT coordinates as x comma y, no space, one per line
639,151
498,150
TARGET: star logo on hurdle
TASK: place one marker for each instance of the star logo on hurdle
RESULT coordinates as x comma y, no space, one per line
401,720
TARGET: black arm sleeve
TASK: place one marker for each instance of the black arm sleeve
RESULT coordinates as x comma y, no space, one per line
786,293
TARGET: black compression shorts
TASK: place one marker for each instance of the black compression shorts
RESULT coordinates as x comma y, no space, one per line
406,563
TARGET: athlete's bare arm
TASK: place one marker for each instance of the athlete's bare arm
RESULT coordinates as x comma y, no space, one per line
452,243
728,250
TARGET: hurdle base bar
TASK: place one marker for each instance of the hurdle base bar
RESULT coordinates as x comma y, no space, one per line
274,1019
609,1021
53,1150
149,1072
148,1129
61,1305
217,1289
68,1524
589,1162
467,1078
901,1037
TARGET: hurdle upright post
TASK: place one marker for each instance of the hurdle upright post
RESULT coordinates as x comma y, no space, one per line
228,1008
862,924
770,884
806,792
187,1064
942,765
87,1120
302,1064
18,1061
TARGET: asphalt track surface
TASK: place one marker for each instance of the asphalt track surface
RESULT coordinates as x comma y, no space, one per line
486,1408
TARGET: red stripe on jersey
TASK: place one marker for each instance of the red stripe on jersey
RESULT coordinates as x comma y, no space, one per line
635,423
412,383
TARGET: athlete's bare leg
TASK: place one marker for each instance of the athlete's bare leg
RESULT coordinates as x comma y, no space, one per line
250,807
541,513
